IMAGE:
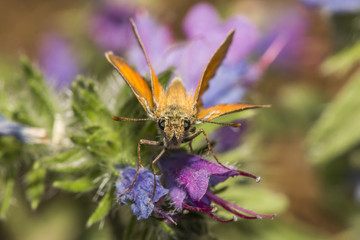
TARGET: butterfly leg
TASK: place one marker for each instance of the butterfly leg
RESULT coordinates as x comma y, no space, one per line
190,146
141,142
197,133
154,172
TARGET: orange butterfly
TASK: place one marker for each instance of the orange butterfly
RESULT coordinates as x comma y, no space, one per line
174,110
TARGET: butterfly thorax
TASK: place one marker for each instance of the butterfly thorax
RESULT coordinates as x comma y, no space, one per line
174,114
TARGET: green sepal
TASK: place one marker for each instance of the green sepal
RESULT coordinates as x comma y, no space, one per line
80,185
72,161
40,96
6,197
102,209
35,181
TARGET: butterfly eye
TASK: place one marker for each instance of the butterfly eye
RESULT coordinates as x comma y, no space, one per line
161,124
186,125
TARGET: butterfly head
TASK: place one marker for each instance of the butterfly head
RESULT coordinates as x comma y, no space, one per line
174,129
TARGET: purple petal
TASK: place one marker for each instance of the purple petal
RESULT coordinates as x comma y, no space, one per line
206,33
201,18
57,60
289,33
228,86
245,39
110,27
229,138
177,195
190,61
157,40
191,174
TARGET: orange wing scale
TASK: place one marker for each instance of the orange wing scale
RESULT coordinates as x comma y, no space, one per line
224,109
211,69
157,89
137,84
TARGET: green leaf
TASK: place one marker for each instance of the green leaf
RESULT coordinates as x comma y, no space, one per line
35,184
79,185
87,105
338,128
73,161
102,209
7,195
40,96
343,62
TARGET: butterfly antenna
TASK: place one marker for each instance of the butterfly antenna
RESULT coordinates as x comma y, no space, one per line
123,119
222,123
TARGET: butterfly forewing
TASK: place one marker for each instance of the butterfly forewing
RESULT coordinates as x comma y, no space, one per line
137,84
224,109
157,89
211,69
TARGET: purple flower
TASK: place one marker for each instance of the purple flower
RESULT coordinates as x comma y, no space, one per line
141,192
157,40
228,86
110,27
189,179
228,138
58,61
290,31
335,5
203,22
205,32
23,133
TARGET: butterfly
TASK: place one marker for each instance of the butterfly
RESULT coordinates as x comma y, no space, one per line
175,111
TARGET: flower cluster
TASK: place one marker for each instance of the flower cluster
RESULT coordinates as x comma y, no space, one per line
189,180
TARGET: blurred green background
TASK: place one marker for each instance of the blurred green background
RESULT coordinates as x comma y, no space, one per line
306,147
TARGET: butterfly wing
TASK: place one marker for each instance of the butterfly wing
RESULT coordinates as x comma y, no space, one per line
208,114
211,69
157,89
137,84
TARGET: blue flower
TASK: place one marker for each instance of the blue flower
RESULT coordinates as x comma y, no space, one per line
189,179
23,133
141,192
335,5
